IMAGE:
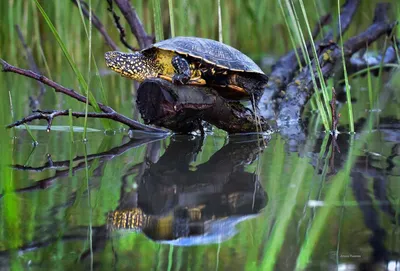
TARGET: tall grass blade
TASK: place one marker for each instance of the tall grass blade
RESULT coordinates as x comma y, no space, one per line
370,90
11,28
89,36
346,79
106,123
220,38
324,111
290,31
89,65
369,69
338,182
30,134
74,67
396,47
324,89
10,212
297,29
71,125
90,226
158,26
171,17
170,257
279,230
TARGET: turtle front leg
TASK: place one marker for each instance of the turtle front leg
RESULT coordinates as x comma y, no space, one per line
182,68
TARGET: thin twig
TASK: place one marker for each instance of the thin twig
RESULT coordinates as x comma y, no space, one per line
134,22
49,115
112,114
97,23
335,116
122,34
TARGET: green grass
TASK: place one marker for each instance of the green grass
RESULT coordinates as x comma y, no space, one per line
158,26
348,91
171,17
83,84
323,106
220,28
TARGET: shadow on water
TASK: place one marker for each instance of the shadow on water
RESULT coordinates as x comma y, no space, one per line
180,194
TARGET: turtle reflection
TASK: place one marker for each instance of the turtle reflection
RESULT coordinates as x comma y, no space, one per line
177,205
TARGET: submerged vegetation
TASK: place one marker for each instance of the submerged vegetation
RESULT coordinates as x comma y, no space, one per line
322,199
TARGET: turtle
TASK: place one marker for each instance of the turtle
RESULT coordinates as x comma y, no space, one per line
194,61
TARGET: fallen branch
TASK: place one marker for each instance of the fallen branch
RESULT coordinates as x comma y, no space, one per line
286,67
301,89
50,115
380,27
111,113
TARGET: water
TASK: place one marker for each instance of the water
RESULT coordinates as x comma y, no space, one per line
187,203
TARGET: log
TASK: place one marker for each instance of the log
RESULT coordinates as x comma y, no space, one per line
183,108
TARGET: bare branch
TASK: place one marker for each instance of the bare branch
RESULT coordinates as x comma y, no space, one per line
50,115
375,31
70,92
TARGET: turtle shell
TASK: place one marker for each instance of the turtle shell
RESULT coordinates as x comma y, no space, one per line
211,51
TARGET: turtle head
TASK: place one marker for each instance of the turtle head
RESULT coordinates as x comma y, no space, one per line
132,65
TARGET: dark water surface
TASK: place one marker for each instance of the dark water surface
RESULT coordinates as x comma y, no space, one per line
187,203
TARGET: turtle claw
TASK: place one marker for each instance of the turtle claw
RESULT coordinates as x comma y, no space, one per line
180,79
